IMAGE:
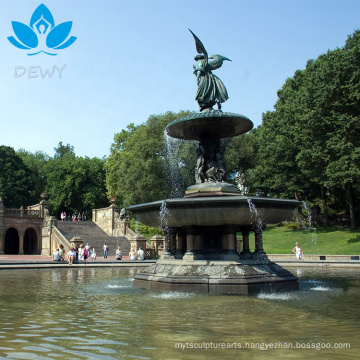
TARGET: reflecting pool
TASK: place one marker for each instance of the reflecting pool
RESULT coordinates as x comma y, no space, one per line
97,313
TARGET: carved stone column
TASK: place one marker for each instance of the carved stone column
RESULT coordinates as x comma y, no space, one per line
259,253
138,241
21,243
156,241
181,244
246,253
52,222
170,239
191,233
229,244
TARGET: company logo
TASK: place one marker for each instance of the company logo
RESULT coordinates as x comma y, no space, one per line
42,35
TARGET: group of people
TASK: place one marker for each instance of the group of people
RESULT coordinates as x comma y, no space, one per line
137,255
80,216
75,253
133,255
59,253
81,253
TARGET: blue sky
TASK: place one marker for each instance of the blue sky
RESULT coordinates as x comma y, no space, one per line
134,58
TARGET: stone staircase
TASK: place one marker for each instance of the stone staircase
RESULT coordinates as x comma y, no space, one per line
92,234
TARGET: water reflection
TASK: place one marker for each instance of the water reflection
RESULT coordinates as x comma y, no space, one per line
99,314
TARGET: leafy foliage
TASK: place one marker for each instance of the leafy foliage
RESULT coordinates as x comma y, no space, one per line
16,181
137,169
75,184
310,145
37,163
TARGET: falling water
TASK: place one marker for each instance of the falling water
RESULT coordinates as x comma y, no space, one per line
255,215
309,228
164,215
241,184
176,183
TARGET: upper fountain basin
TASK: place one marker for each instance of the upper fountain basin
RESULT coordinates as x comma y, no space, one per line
215,211
211,124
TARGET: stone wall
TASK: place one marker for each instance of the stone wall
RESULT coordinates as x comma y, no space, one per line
28,224
106,218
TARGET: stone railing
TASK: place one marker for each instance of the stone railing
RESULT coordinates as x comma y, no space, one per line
105,218
122,227
153,250
34,207
59,239
22,212
108,220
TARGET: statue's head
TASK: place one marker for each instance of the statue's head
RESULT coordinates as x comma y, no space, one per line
199,57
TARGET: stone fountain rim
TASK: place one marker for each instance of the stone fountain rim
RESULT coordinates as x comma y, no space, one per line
213,201
235,125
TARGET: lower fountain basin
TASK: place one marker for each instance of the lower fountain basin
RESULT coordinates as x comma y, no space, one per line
215,211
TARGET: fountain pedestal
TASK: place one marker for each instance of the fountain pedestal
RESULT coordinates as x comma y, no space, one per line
245,277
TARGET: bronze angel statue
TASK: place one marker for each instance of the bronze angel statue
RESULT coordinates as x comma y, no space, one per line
211,89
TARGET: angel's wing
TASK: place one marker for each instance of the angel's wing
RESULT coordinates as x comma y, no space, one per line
217,61
200,48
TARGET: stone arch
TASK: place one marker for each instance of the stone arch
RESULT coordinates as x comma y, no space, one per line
30,241
12,241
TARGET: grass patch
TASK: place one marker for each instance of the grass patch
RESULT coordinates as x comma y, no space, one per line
331,241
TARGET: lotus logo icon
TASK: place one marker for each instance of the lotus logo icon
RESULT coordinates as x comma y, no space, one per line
42,35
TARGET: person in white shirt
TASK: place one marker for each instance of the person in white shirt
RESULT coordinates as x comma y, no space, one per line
118,254
71,256
141,254
56,255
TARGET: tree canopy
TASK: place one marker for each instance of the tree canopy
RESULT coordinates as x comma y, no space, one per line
75,184
309,145
138,169
16,181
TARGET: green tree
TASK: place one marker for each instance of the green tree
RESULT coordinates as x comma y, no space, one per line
138,169
16,181
277,172
241,157
309,145
37,163
75,183
333,122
